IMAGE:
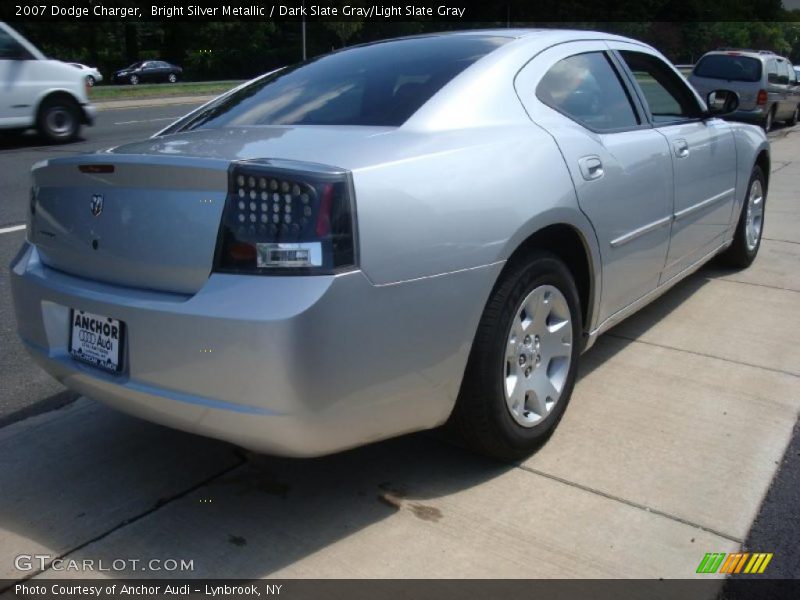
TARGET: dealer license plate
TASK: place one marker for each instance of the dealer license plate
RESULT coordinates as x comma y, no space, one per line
96,340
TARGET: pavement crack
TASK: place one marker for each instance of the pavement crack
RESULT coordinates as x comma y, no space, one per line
779,240
158,505
630,503
762,285
704,354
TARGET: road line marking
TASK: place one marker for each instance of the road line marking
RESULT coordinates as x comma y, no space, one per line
12,228
148,120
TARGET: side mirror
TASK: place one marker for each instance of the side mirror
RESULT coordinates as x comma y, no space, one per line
722,102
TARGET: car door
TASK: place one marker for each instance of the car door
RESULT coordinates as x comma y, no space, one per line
149,72
17,86
162,69
776,89
703,156
785,75
620,166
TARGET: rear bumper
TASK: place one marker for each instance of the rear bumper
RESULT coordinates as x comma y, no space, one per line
297,366
755,116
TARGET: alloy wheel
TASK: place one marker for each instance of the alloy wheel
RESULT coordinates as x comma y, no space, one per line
755,214
538,355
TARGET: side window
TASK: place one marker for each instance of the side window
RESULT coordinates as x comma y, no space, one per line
772,71
666,93
10,48
587,88
785,72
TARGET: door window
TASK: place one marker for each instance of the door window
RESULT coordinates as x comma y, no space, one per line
667,95
587,89
785,73
772,71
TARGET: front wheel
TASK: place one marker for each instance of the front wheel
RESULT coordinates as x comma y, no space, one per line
747,238
522,367
59,120
134,80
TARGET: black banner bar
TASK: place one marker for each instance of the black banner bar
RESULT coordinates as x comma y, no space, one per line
375,589
453,11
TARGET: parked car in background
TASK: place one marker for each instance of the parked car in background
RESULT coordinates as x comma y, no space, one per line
39,92
796,73
148,71
344,250
91,74
765,82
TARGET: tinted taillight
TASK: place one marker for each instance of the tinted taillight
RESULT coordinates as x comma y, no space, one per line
289,218
761,100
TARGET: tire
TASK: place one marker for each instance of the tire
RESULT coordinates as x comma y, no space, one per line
795,117
90,81
172,78
769,120
484,414
59,120
747,239
134,80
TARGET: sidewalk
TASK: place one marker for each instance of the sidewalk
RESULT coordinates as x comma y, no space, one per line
678,422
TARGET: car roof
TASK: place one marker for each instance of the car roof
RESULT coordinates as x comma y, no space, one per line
761,55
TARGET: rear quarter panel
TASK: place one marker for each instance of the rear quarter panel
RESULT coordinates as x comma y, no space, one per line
750,142
465,199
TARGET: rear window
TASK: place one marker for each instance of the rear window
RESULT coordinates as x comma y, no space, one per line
729,67
379,84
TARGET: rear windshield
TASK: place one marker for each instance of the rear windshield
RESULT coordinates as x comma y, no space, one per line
379,84
729,67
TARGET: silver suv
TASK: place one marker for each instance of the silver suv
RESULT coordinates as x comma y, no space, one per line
766,83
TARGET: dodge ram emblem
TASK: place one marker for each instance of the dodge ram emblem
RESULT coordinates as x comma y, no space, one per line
96,205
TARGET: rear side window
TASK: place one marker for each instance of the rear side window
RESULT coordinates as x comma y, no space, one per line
586,88
379,84
729,67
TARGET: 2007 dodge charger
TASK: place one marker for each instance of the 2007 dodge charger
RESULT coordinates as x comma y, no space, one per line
385,238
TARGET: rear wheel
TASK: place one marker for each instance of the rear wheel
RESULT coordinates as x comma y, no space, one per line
59,119
522,367
747,239
172,78
768,120
794,118
90,81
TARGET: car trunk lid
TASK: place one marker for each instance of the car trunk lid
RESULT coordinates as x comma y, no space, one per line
140,221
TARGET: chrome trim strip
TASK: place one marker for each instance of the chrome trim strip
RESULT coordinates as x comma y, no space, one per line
627,311
690,209
632,235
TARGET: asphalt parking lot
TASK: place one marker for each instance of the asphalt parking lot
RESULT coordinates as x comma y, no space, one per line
680,425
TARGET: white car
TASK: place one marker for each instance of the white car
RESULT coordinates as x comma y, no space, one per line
92,74
38,92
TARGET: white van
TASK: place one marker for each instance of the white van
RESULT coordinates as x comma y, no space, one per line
38,92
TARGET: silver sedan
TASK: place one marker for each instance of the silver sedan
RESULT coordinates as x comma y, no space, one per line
385,238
